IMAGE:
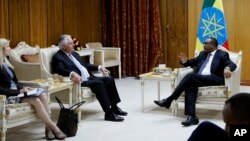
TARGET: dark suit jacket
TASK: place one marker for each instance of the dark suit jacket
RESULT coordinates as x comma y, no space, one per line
63,65
5,82
220,61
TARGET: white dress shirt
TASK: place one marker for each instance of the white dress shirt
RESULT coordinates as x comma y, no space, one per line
84,72
207,69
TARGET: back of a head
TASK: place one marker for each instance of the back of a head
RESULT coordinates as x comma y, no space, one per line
240,106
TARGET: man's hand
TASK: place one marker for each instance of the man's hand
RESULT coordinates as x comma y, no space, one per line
183,57
76,78
227,72
104,71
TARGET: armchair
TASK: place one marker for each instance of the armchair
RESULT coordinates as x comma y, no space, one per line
21,53
213,97
106,56
79,93
12,115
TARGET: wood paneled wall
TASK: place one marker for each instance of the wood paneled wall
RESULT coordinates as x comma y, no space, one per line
236,13
41,22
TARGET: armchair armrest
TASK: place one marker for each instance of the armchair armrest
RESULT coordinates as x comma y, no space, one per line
233,83
2,98
2,106
181,73
31,83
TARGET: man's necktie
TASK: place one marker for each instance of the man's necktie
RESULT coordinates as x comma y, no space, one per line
204,64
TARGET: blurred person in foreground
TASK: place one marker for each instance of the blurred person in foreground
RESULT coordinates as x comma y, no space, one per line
236,113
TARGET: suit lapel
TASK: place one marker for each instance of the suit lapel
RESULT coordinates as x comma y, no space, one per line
69,61
5,73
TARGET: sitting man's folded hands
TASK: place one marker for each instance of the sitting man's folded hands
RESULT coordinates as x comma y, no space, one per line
76,78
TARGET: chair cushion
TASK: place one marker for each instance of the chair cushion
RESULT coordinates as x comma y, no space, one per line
31,58
111,62
23,48
213,91
18,110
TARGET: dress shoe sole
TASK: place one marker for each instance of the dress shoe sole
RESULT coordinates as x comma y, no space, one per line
121,114
193,123
117,120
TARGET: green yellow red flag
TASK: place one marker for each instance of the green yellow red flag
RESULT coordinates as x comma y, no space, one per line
212,24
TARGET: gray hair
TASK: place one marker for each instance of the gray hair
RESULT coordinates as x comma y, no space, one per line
63,39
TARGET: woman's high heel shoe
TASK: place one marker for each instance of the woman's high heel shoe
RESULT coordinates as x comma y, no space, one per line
49,135
59,135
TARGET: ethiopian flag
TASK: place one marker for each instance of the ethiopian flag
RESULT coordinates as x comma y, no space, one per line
212,24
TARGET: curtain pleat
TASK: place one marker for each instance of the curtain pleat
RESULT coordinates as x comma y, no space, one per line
135,27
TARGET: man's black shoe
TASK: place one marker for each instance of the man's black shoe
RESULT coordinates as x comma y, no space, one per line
113,117
191,120
119,111
163,103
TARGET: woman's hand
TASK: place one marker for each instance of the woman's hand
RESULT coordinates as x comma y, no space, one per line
25,89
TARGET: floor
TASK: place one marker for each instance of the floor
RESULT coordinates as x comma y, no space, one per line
153,124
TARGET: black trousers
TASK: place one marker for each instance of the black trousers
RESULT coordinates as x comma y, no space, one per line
105,90
189,85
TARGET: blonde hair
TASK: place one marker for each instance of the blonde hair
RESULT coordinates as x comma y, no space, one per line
3,43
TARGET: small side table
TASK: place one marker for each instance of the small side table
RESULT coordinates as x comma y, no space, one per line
158,78
59,87
87,52
55,87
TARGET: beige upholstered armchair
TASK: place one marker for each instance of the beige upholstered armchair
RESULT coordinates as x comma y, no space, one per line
106,56
212,97
25,59
79,93
13,115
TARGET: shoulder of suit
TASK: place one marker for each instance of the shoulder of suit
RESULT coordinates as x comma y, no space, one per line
222,51
202,52
75,53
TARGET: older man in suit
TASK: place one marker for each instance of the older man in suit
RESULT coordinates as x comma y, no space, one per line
67,62
211,66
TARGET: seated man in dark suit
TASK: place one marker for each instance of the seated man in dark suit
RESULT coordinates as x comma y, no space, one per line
66,62
212,65
236,112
